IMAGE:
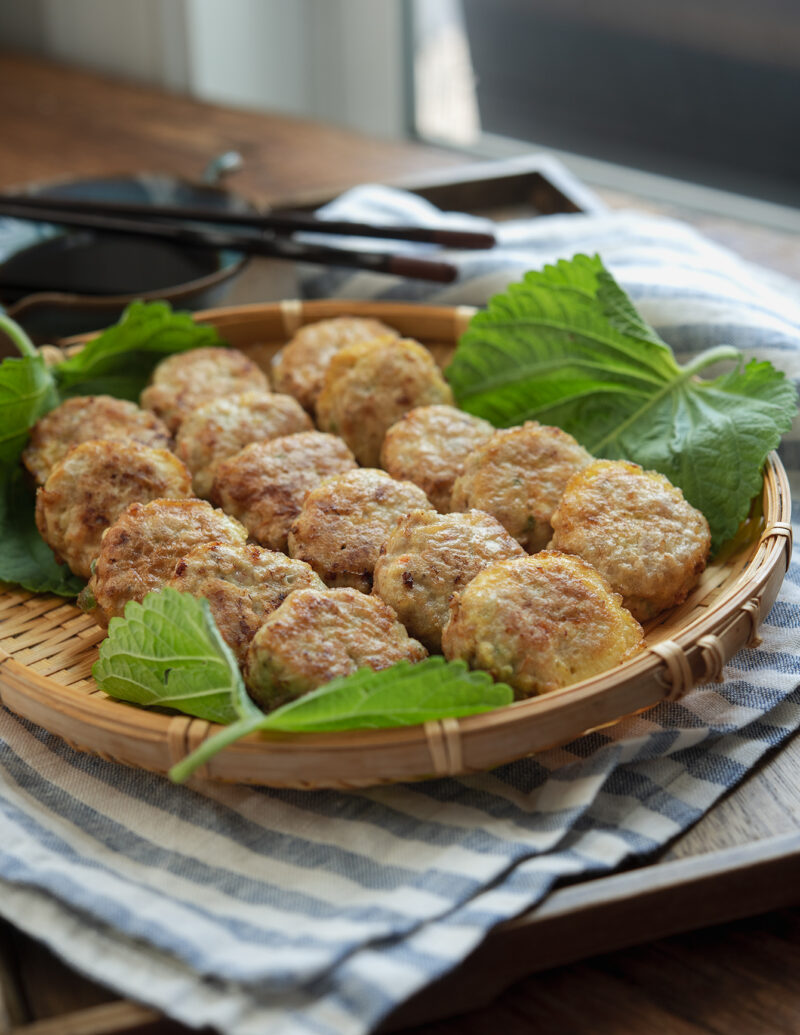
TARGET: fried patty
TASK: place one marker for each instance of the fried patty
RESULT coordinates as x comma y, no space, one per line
140,551
85,418
429,447
90,487
182,382
242,584
345,521
265,484
539,623
317,635
428,557
369,386
636,528
299,368
220,428
518,476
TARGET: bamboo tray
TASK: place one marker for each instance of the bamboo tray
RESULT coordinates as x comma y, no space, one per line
47,646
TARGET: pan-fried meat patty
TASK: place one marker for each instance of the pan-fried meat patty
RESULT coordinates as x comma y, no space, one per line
317,635
265,484
636,528
428,557
220,428
88,417
186,380
299,368
370,386
242,584
539,623
141,550
429,447
91,486
518,476
345,521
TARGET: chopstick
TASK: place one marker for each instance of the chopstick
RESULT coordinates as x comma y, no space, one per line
251,244
279,222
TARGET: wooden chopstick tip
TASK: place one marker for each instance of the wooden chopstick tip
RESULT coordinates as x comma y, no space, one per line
407,266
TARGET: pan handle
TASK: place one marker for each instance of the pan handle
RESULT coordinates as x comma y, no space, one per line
221,166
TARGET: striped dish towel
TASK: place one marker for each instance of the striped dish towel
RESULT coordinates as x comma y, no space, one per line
253,910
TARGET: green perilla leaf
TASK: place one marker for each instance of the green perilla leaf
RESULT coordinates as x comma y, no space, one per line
567,347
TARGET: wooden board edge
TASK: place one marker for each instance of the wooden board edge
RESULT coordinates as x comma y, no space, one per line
610,913
121,1015
555,188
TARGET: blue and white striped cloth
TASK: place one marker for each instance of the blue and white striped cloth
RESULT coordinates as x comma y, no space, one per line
291,912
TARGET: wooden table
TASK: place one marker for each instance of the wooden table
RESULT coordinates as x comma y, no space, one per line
742,977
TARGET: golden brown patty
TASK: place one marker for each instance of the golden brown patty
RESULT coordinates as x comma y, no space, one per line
345,521
186,380
265,484
636,528
518,476
428,557
141,549
222,427
429,447
540,623
299,368
242,584
317,635
90,487
371,385
85,418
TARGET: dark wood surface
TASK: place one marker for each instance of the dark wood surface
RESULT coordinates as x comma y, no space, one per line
60,123
740,977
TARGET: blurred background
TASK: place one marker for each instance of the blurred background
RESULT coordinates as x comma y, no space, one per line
639,94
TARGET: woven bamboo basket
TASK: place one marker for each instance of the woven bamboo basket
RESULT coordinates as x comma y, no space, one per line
47,646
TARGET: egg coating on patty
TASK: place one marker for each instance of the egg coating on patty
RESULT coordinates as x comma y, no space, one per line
90,487
242,584
371,385
265,484
540,623
140,551
299,368
220,428
428,557
318,635
85,418
429,447
636,528
182,382
345,521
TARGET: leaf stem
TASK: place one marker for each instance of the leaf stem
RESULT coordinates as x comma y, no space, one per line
705,359
13,330
183,770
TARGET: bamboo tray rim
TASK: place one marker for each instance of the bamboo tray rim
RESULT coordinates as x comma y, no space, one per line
667,668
